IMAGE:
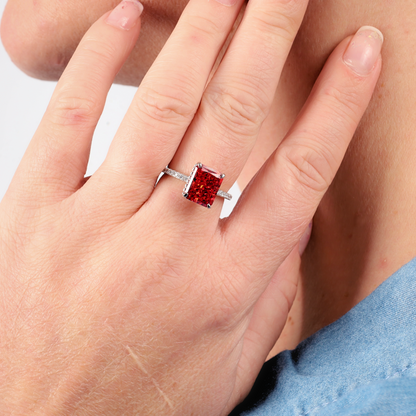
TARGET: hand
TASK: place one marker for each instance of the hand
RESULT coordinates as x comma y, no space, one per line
120,298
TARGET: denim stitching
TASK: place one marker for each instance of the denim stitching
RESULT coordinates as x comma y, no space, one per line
408,367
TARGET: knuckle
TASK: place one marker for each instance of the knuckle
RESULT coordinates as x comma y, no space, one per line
343,103
100,50
238,109
288,290
74,111
173,108
312,168
283,20
201,25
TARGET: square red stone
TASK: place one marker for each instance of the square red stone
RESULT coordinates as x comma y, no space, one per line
203,185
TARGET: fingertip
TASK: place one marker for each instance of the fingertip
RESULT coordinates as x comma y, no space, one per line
126,15
363,51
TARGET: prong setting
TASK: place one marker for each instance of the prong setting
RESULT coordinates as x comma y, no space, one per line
202,185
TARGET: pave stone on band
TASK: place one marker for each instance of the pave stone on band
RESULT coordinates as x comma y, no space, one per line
202,185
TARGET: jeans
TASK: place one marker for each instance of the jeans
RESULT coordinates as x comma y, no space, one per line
362,364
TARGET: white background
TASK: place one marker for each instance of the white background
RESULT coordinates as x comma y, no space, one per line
23,101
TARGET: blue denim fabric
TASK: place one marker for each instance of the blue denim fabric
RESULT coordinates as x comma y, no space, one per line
362,364
392,397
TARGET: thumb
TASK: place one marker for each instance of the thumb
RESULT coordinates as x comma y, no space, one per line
267,322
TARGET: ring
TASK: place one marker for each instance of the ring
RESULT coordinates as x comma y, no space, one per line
202,185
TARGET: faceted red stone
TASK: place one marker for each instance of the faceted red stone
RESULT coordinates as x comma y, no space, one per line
203,185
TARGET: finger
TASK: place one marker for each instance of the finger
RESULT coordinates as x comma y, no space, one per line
56,160
164,105
267,322
283,197
238,98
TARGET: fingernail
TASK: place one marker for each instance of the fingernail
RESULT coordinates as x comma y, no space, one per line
228,2
305,239
126,14
364,49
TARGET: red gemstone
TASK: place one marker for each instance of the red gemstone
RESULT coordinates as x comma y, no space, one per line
203,185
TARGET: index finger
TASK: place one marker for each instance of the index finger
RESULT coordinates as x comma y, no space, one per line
56,160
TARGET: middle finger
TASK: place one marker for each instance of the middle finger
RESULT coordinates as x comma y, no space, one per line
237,99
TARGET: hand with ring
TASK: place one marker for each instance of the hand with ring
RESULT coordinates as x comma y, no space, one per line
119,297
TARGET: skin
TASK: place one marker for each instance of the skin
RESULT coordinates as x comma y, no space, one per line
367,230
363,230
120,305
27,27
